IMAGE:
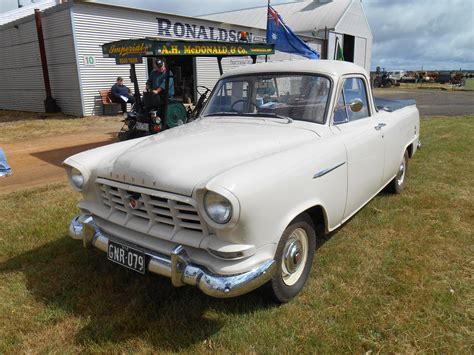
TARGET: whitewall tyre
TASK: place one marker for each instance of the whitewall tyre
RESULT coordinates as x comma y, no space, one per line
294,258
397,185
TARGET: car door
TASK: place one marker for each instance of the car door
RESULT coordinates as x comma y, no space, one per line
362,136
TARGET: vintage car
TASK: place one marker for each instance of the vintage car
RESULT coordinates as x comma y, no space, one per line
281,154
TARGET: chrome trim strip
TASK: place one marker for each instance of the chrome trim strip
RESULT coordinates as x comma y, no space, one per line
327,171
177,266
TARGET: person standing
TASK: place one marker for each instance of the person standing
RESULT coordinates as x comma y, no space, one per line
157,81
121,94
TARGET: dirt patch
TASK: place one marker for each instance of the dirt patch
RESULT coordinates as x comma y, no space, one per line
37,161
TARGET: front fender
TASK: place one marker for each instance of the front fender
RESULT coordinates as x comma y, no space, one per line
273,190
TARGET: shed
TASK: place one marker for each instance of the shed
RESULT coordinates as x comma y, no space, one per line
75,30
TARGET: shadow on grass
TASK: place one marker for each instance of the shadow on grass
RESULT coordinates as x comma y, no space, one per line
57,156
118,304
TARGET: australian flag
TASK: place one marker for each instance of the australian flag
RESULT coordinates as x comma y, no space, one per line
279,34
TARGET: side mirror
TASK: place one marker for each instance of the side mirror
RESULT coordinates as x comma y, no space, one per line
356,105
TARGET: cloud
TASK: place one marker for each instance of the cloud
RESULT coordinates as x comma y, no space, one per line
432,34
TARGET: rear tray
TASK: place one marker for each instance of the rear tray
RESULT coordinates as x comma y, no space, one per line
392,105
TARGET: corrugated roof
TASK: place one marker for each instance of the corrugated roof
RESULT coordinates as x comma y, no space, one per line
27,10
302,17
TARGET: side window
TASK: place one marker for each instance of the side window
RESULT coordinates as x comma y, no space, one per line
354,88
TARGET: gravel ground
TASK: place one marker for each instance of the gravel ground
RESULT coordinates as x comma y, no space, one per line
434,102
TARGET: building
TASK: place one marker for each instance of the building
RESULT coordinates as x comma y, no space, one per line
320,23
75,30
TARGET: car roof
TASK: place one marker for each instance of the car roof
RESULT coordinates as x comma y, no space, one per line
328,67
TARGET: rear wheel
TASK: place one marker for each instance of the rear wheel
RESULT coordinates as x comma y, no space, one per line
294,258
398,183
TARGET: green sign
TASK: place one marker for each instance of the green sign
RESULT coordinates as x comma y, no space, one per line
131,51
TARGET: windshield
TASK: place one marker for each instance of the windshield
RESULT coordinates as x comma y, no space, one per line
289,96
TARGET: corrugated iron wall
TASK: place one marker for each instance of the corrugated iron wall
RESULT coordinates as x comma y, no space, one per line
94,26
21,84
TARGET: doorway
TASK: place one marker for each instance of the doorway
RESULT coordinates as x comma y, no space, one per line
349,44
182,68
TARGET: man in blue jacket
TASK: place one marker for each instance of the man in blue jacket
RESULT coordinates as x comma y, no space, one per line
121,94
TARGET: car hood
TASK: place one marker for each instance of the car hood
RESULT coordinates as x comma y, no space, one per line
181,158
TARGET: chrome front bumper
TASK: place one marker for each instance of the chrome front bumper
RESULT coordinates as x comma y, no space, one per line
177,265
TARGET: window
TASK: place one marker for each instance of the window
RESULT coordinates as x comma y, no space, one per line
353,88
296,96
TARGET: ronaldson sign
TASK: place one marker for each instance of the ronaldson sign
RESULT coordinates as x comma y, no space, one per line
168,28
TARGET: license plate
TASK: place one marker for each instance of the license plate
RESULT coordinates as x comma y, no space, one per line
142,126
126,256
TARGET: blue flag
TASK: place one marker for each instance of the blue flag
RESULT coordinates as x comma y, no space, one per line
279,34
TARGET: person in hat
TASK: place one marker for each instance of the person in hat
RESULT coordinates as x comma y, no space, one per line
157,81
121,94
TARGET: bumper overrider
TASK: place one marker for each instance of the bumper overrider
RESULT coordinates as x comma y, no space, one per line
177,266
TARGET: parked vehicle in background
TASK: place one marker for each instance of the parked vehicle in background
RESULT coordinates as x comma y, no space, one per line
382,79
397,75
280,155
444,77
458,79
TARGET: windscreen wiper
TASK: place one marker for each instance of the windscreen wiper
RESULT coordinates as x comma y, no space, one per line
222,114
270,115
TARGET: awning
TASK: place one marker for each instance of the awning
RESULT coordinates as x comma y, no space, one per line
131,51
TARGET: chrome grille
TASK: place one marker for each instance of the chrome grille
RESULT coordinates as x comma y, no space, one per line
152,209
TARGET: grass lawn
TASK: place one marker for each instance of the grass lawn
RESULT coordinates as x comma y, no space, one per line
16,125
397,278
469,85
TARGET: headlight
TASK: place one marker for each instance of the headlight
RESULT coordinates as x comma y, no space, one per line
77,179
218,208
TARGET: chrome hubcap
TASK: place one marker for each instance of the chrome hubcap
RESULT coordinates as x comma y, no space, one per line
401,173
295,255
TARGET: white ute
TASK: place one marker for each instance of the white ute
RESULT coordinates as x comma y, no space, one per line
282,153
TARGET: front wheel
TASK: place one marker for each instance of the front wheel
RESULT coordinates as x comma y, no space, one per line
398,183
294,258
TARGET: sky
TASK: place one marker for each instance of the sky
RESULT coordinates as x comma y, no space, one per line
408,34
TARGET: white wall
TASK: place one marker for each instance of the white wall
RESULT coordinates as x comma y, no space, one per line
354,23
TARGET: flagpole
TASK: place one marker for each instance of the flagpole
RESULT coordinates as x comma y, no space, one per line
268,7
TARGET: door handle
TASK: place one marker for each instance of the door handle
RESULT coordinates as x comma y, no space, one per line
380,126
